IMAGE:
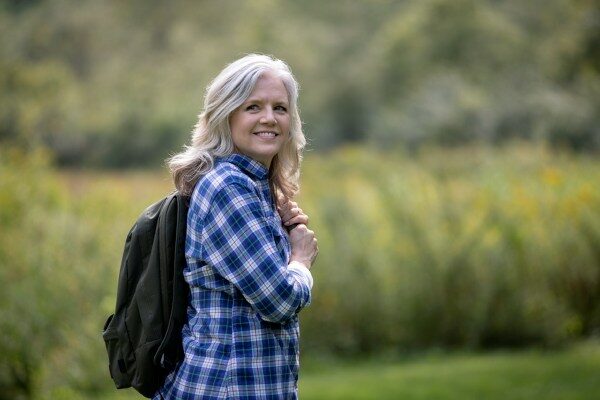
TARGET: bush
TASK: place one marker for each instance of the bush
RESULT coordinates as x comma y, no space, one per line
466,248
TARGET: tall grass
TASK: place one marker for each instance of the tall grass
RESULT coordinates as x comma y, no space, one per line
473,248
469,248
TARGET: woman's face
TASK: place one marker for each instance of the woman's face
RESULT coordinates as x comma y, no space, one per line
260,126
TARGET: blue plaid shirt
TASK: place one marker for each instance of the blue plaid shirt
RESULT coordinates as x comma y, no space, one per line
241,337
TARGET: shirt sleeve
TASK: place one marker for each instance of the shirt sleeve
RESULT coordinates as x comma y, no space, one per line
239,244
301,272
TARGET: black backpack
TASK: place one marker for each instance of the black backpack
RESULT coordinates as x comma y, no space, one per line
143,336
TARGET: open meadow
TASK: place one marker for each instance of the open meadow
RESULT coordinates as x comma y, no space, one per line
466,251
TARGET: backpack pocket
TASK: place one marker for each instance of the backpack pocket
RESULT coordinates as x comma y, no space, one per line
148,376
120,356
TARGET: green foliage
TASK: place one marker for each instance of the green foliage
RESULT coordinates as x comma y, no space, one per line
557,375
59,249
561,375
471,248
119,84
30,307
467,248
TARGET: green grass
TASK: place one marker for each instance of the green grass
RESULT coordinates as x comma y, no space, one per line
571,374
567,374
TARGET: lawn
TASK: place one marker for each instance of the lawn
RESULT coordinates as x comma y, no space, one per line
566,374
571,373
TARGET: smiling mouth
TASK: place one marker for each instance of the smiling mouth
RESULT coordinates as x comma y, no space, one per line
266,134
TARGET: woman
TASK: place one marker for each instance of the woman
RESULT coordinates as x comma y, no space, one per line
248,276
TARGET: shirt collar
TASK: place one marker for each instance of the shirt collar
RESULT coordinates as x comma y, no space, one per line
247,164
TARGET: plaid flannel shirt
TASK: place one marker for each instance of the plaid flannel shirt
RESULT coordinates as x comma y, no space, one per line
241,337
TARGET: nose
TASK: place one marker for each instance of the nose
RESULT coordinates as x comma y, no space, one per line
268,117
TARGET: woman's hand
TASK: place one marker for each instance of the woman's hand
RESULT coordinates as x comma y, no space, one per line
302,239
291,214
304,245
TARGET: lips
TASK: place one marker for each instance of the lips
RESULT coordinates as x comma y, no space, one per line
266,134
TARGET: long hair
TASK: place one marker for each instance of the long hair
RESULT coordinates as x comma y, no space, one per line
211,136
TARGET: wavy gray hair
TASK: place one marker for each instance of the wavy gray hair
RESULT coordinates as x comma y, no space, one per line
211,136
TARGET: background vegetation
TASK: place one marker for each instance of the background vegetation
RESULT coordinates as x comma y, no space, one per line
113,83
468,248
452,180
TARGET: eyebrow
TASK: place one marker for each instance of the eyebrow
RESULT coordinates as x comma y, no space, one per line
258,100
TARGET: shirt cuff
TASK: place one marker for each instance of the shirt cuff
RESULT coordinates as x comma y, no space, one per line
301,273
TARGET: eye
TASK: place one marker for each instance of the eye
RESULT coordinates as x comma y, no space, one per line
281,108
252,107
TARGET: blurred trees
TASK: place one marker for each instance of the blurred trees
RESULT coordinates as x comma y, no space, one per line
471,70
120,83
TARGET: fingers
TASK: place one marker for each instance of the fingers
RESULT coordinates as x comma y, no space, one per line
316,253
292,212
293,215
302,230
304,245
299,219
288,205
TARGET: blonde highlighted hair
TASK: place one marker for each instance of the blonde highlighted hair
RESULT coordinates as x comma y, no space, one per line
211,136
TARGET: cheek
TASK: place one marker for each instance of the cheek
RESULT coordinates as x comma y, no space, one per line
286,125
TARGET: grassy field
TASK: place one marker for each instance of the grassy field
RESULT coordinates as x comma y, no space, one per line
571,373
567,374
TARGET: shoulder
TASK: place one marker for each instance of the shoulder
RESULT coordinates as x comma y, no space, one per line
224,180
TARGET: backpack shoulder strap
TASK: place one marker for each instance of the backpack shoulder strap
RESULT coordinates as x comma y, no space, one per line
173,227
166,233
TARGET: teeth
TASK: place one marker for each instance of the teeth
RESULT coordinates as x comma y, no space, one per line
266,134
